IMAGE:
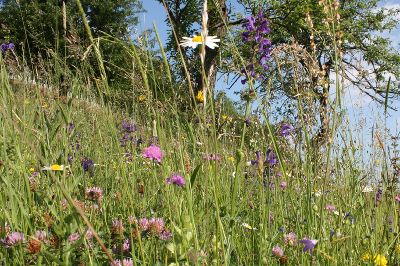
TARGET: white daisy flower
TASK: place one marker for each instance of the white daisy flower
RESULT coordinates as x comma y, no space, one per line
211,41
249,227
367,189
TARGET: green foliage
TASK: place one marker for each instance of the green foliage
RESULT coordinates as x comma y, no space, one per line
53,30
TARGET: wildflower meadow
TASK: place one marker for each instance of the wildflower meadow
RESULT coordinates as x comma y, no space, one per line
226,133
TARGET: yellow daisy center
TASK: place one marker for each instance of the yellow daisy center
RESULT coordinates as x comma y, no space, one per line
197,39
56,167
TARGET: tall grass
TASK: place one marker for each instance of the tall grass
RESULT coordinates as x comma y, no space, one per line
229,212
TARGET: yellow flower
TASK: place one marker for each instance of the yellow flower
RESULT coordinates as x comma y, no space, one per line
200,97
380,260
366,257
231,159
31,169
398,249
54,167
142,98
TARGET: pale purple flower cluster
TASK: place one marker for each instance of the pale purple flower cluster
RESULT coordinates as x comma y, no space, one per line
41,236
94,193
176,179
7,46
74,237
330,207
277,251
256,31
155,226
13,239
212,157
290,239
124,262
153,152
117,227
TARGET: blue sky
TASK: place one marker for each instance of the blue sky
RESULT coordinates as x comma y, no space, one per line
363,113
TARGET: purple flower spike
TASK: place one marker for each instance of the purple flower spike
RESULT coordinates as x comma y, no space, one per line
11,46
286,129
176,180
271,159
153,152
4,47
309,244
257,160
87,164
128,127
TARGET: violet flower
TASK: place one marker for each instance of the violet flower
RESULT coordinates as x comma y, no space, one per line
309,244
286,129
176,180
271,158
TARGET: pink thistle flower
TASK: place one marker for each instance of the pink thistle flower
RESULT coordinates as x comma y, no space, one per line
153,152
290,239
94,193
283,185
176,180
74,237
277,251
13,239
330,207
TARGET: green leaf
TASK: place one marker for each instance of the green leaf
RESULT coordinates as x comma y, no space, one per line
194,175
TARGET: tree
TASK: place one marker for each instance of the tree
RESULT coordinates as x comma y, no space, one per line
183,17
309,40
48,29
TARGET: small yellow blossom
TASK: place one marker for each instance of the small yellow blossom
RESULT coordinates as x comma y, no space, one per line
398,249
200,97
380,260
366,257
31,169
231,159
142,98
